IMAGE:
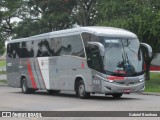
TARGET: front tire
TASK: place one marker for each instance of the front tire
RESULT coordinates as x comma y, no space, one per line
25,88
81,90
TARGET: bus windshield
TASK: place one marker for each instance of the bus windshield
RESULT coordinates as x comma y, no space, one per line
122,56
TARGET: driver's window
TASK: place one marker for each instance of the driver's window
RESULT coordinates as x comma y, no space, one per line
93,58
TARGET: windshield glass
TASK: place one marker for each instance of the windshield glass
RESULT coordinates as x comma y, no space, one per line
122,56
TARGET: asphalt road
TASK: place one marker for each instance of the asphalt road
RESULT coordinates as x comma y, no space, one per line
11,99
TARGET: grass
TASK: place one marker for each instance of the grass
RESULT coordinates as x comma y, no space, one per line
3,82
153,85
3,72
2,63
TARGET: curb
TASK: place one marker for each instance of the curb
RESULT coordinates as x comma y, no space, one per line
150,93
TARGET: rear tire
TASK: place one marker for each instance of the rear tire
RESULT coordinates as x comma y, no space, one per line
25,88
81,90
117,95
53,91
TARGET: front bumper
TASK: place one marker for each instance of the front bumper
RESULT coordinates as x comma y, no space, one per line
114,87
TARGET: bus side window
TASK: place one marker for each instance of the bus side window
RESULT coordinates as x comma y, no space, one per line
89,62
30,48
24,51
17,49
12,51
57,45
9,51
44,49
76,46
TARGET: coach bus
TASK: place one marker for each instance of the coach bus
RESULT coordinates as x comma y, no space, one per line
86,60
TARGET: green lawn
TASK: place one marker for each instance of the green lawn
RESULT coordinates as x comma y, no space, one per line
153,85
2,63
3,81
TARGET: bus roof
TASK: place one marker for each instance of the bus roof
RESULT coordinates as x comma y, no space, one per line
97,30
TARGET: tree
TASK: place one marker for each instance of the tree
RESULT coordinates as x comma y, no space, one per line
138,16
45,16
8,10
85,12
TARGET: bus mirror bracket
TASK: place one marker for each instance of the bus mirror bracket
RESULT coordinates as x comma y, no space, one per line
149,49
100,46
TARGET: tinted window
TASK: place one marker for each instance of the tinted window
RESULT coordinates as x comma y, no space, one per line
65,46
56,45
30,48
75,45
17,49
44,48
88,37
23,50
13,50
70,45
94,59
9,51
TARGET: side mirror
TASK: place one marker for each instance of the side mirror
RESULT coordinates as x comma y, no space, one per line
156,60
148,49
100,46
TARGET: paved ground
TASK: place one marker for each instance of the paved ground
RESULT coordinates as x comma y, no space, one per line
11,99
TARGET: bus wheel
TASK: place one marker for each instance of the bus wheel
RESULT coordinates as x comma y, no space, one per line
25,88
53,91
81,90
117,95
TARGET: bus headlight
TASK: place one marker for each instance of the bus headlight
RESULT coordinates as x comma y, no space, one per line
142,80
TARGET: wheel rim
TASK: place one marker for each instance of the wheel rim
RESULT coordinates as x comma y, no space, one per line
81,90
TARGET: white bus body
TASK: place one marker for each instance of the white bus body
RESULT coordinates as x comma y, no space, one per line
86,60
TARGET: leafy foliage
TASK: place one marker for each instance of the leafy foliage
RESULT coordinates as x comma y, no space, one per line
139,16
8,10
39,16
85,12
45,16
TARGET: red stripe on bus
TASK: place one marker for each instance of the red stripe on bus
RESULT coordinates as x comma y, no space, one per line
82,65
41,74
115,78
31,74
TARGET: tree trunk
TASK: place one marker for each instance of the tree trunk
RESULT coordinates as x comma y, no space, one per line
148,64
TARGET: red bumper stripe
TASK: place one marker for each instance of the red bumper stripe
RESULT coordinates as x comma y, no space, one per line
115,78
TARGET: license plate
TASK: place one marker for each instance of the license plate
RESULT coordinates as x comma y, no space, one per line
126,91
